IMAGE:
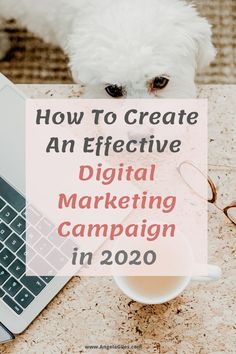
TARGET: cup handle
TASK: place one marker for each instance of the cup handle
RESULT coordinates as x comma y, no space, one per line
214,273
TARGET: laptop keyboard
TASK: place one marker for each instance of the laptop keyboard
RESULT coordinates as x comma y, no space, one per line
16,289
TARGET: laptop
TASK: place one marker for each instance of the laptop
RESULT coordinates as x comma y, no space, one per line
22,297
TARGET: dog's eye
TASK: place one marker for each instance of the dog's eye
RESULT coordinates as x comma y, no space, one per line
114,91
160,82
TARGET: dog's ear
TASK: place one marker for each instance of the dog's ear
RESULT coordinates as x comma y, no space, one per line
202,36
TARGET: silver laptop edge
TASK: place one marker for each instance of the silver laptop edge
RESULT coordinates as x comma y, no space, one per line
12,129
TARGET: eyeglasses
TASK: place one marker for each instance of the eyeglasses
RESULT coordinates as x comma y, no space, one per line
187,170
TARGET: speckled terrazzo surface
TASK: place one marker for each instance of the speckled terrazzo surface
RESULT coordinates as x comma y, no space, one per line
92,311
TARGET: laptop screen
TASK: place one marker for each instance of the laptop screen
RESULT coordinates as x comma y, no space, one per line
12,137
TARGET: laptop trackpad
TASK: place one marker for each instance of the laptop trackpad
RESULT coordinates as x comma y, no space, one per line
5,335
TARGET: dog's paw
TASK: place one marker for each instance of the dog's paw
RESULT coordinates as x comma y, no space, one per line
5,44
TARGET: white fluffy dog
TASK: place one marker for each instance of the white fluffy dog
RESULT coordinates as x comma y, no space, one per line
121,48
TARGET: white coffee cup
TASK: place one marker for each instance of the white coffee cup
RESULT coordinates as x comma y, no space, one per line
160,289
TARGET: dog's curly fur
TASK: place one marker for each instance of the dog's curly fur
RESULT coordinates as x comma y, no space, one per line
122,42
